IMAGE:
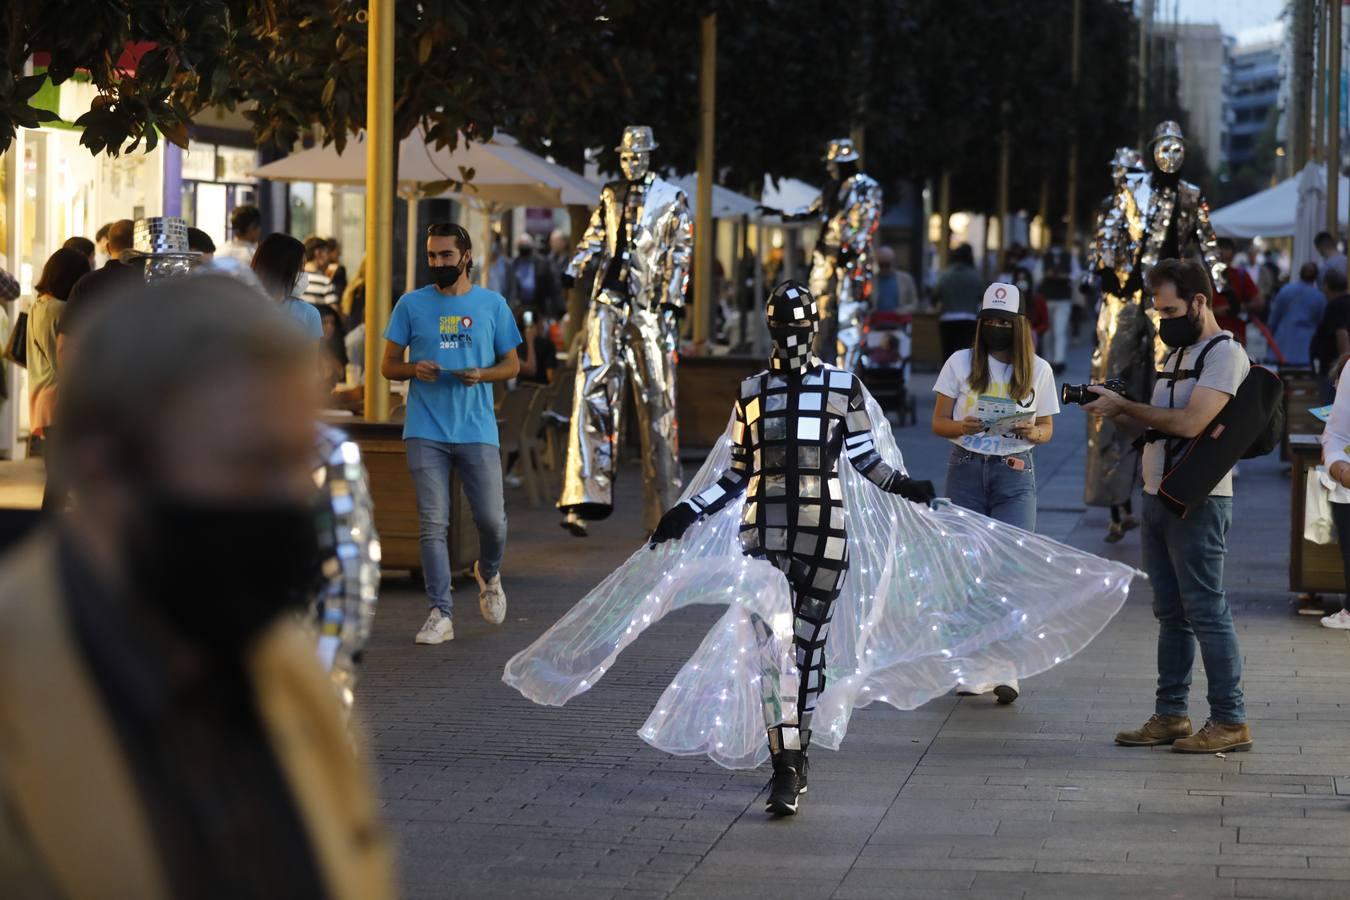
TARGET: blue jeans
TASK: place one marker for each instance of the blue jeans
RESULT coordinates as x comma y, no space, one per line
990,487
480,470
1184,562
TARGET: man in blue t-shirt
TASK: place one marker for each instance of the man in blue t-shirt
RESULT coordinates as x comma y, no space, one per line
459,338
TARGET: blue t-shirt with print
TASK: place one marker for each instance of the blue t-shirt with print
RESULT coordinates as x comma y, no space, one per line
472,330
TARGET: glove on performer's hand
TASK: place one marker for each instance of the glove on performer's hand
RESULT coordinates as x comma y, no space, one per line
913,491
674,523
567,281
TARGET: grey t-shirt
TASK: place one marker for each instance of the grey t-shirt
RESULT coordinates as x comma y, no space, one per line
1225,368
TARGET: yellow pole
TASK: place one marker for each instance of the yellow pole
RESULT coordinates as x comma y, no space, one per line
379,199
704,301
945,227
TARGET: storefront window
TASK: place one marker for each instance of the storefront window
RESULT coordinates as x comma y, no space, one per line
199,162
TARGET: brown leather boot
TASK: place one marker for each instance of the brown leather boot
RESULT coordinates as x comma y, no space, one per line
1216,737
1157,730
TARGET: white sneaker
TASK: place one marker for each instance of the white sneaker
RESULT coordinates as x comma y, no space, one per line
437,629
491,597
1339,620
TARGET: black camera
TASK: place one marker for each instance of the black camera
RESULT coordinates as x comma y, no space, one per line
1079,393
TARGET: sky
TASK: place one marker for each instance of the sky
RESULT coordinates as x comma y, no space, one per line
1233,15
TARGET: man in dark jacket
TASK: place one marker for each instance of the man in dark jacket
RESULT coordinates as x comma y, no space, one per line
114,275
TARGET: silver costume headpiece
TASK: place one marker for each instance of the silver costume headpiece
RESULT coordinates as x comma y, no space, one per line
637,139
161,242
1129,159
1167,129
841,150
794,319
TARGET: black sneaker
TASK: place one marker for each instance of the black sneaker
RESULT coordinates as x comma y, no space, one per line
575,524
789,782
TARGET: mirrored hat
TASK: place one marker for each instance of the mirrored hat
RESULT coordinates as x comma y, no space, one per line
637,139
1167,129
841,150
160,237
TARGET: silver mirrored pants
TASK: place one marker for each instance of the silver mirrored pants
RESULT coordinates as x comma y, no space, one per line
620,344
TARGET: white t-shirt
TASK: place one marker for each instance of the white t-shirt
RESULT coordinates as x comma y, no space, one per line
1225,368
953,382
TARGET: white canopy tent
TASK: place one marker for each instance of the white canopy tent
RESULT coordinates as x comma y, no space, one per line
1274,211
504,175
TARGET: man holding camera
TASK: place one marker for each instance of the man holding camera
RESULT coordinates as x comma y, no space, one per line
1184,557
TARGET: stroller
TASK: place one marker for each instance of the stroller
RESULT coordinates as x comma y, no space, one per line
883,363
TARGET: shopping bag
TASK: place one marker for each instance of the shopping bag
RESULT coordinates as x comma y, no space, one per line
1317,524
16,348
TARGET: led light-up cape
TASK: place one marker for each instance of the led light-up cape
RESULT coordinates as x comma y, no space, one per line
931,596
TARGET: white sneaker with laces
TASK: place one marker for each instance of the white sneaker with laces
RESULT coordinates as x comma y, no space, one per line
491,597
437,629
1340,620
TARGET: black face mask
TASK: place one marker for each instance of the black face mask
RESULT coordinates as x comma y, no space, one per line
220,573
997,340
1181,331
446,276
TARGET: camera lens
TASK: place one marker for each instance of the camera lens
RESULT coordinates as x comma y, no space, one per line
1072,393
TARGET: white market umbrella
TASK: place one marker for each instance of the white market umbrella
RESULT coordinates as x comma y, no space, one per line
1311,214
788,193
1274,212
726,203
504,175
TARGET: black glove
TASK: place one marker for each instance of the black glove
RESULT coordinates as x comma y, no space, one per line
674,523
913,491
567,281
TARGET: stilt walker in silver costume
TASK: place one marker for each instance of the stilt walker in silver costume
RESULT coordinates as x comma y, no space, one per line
849,210
1149,216
639,239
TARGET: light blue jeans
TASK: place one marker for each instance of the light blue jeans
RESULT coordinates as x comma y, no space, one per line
1184,562
480,470
990,487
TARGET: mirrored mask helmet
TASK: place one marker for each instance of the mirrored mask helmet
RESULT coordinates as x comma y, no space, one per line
634,164
793,318
1169,147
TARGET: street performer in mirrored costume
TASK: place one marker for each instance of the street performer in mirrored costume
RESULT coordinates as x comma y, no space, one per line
849,210
639,239
799,545
1149,216
792,424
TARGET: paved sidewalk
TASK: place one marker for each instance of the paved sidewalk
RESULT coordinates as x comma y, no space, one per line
491,796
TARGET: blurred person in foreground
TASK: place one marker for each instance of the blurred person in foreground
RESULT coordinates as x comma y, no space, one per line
171,733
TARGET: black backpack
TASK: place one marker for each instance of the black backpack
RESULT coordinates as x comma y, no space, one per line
1249,425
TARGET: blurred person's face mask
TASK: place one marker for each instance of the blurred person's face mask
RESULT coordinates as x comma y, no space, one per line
221,572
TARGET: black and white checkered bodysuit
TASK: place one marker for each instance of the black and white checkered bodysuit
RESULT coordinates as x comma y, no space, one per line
791,425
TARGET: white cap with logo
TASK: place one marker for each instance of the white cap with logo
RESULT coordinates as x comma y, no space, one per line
1001,301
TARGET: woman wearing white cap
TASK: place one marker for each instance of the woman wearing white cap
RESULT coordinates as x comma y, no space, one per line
994,402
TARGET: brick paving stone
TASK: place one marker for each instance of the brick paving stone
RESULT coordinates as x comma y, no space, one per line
490,796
